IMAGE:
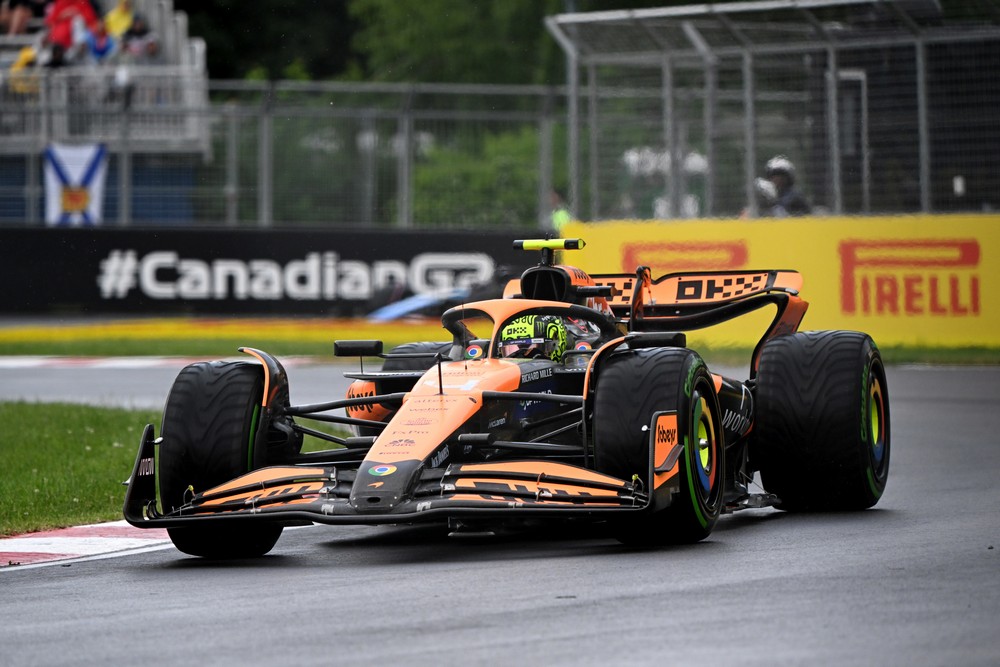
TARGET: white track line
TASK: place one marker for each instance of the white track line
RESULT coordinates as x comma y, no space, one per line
94,540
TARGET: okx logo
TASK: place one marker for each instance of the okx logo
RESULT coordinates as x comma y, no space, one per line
925,277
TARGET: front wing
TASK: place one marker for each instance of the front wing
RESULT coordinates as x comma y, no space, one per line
322,494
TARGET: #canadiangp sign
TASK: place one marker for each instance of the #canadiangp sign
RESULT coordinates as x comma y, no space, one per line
242,272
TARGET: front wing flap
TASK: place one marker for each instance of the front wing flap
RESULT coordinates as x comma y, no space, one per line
322,494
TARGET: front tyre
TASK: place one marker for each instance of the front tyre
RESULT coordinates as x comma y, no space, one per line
821,435
209,427
632,387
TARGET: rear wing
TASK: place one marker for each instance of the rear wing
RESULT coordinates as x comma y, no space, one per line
696,300
675,302
691,291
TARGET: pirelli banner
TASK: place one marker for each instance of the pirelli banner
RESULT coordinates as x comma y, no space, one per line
914,280
219,272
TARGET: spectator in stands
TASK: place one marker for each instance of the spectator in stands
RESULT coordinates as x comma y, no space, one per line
57,57
67,23
140,45
100,45
119,19
17,14
22,79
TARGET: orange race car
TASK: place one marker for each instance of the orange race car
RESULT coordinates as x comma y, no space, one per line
572,398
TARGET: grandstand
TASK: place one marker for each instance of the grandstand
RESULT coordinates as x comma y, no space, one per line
85,103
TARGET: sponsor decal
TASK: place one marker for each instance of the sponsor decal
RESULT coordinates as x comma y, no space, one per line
401,442
911,278
664,435
146,467
687,255
474,352
524,405
440,457
713,289
460,370
582,345
361,389
497,423
417,421
382,470
735,422
319,276
540,374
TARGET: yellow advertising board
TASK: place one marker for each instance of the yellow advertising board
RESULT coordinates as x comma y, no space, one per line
908,280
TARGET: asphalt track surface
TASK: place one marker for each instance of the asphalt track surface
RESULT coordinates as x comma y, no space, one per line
914,581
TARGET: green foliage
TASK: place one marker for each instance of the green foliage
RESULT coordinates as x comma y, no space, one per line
455,42
490,180
431,41
266,37
64,464
496,180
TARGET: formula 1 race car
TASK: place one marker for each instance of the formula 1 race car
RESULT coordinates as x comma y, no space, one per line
573,398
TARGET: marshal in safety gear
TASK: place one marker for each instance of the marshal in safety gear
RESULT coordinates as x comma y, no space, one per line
780,164
534,336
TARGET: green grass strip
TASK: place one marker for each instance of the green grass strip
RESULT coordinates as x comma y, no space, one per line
63,465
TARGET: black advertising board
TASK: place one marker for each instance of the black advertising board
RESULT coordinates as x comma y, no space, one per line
221,271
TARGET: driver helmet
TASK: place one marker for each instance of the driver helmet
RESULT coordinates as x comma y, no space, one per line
780,164
534,336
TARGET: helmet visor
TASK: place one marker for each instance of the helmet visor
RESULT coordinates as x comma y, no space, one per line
525,348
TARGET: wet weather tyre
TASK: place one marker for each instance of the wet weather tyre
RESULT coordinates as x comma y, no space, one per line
632,387
821,435
209,426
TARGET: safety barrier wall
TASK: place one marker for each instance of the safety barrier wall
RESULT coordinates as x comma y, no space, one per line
919,280
344,272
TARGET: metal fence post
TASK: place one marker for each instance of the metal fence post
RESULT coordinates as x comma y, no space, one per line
749,135
232,187
545,175
670,135
125,167
265,166
573,139
404,166
708,111
32,188
923,125
833,129
592,123
367,144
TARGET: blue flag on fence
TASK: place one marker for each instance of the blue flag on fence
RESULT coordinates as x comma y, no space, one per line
74,184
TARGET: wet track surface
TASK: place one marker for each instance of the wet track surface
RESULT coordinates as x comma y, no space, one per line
913,581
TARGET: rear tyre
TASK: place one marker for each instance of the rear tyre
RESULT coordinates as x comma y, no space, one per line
634,385
209,426
821,435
